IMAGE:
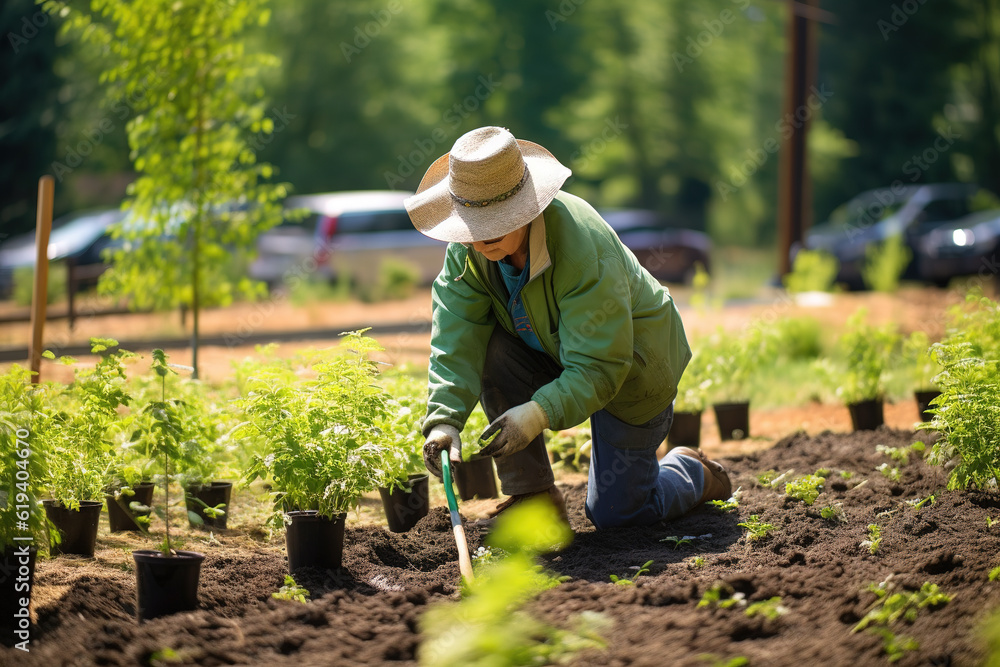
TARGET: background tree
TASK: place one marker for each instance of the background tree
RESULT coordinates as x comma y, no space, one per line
201,194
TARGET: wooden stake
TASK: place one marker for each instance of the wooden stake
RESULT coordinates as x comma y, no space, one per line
39,297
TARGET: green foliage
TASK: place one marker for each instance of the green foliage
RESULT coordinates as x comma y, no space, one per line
874,540
570,448
732,360
920,361
771,609
642,569
696,382
490,623
24,284
994,574
678,541
812,271
474,427
722,595
892,605
90,427
989,630
322,435
725,505
291,591
794,338
885,263
200,198
967,414
919,504
25,441
756,529
805,488
864,350
833,512
404,414
696,562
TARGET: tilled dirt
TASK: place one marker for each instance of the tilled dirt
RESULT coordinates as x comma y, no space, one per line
369,613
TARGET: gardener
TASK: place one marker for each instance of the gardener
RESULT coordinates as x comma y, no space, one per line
544,317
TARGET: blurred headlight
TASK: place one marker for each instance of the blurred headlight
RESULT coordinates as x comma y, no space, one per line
963,237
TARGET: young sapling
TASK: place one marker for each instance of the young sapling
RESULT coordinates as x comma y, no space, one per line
756,529
630,581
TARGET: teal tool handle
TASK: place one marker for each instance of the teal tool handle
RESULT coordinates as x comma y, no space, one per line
449,492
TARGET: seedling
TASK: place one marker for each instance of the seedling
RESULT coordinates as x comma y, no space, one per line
772,479
917,503
900,455
728,505
874,538
990,521
890,473
679,541
756,529
833,513
846,474
697,562
995,574
805,488
771,609
626,581
210,512
722,595
291,591
891,606
823,472
738,661
895,646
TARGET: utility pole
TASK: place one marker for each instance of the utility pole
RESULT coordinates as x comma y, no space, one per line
794,187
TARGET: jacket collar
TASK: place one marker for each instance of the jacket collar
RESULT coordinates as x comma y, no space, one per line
537,248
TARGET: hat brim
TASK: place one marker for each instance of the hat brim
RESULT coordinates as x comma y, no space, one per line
435,213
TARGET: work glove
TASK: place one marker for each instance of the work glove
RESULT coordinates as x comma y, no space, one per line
514,429
440,438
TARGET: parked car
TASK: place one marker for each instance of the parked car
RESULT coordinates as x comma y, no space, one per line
80,237
914,211
670,254
345,234
968,246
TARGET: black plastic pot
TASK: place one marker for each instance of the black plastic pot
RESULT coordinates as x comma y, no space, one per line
475,478
924,398
77,528
17,578
685,431
314,541
212,494
733,420
120,517
166,584
405,507
867,415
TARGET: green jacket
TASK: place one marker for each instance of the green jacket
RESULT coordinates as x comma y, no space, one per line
613,329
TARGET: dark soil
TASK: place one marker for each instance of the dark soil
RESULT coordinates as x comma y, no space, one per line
369,613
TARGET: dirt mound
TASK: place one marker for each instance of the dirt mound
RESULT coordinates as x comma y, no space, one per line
369,612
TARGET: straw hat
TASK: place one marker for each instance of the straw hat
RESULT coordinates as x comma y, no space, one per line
489,185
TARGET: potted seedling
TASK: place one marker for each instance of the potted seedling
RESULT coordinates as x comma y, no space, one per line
84,444
692,397
917,351
404,489
732,360
865,351
25,430
474,476
208,499
129,489
166,578
323,446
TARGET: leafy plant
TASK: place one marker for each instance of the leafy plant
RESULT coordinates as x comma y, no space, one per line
865,350
697,562
291,591
918,503
917,355
25,438
967,414
771,609
630,581
874,538
193,79
570,448
732,360
323,438
994,574
677,541
833,513
722,595
812,271
892,605
404,439
805,488
885,263
889,472
90,429
990,522
490,623
756,529
695,384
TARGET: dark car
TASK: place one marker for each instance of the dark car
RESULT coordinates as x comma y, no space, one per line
79,237
913,211
670,254
345,234
969,246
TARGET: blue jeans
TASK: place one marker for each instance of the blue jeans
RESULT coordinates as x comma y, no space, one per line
627,485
